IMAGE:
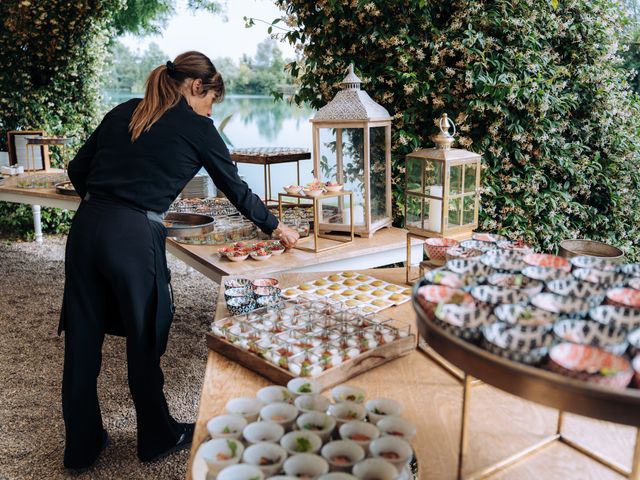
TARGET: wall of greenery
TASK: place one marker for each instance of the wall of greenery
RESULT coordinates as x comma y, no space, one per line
51,55
537,89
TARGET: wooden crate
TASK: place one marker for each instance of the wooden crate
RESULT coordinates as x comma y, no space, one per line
328,378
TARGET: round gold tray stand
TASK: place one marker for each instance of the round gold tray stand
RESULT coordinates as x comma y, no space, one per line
533,384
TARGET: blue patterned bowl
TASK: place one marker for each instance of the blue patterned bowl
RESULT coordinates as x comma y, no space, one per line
543,273
503,260
587,332
240,305
630,269
525,315
478,245
442,276
237,283
575,288
598,263
625,317
237,293
517,282
634,343
470,266
492,295
567,306
600,277
514,344
463,321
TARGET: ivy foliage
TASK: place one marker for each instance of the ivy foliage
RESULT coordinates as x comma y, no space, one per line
536,88
51,55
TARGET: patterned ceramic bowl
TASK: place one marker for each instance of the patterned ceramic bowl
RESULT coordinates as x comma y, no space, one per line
268,301
636,369
568,306
587,332
525,315
491,295
575,288
462,253
634,283
600,277
429,296
528,347
239,292
624,297
478,245
463,321
442,276
630,269
515,246
436,248
488,237
598,263
590,364
470,266
237,283
634,342
547,260
517,282
543,273
503,260
240,305
264,282
267,292
625,317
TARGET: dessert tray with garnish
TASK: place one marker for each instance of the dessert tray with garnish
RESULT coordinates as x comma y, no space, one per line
310,337
297,432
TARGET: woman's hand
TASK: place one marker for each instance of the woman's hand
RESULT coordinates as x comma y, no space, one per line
287,235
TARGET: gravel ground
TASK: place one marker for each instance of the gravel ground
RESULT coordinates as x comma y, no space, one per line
31,353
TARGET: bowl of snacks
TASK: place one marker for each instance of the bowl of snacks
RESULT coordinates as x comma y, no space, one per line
333,186
293,189
237,255
261,255
590,364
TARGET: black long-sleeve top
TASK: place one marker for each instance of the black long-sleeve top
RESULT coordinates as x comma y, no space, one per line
150,172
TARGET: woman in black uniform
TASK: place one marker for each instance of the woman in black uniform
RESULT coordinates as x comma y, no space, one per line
116,278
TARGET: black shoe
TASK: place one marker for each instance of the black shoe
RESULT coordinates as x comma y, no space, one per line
183,442
103,446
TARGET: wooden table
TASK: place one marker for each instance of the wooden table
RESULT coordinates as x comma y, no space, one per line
432,399
385,247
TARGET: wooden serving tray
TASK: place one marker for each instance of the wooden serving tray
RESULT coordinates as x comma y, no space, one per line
329,378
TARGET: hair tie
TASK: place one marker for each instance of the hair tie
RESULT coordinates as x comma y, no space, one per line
171,66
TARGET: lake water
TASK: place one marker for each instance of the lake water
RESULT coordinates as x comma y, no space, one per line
258,121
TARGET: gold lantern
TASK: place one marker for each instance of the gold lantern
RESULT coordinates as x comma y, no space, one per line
442,188
352,146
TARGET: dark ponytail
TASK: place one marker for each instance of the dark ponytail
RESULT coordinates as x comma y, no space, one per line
163,88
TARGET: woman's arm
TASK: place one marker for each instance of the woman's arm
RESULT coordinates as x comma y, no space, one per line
217,162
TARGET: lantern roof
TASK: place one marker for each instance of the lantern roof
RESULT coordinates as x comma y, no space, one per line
351,103
451,154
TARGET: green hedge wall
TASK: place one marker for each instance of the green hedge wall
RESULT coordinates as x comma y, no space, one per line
537,89
51,54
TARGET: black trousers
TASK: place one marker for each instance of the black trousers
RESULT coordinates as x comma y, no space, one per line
116,281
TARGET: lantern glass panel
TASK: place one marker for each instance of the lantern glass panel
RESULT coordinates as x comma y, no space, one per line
347,168
433,178
455,211
414,174
378,173
470,178
468,209
414,211
455,180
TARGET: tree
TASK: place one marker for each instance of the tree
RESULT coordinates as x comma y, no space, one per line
537,89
